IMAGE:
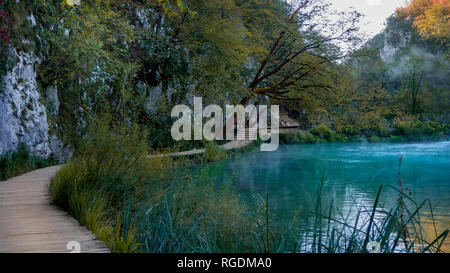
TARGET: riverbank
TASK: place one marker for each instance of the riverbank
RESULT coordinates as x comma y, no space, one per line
322,134
152,205
402,132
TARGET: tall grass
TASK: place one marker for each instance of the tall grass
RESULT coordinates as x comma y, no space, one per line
394,230
100,181
140,204
21,161
113,188
214,152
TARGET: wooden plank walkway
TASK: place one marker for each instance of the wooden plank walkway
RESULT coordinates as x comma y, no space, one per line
29,222
236,144
231,145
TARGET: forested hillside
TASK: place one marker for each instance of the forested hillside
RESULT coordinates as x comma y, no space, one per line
410,60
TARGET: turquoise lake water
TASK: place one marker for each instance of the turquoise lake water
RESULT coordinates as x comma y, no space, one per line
352,174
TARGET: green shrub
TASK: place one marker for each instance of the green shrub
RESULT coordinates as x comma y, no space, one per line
406,126
214,152
297,137
356,139
396,139
383,129
374,139
349,130
339,138
21,161
434,128
446,129
323,132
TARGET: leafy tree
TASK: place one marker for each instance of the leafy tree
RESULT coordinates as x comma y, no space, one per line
431,17
298,53
84,52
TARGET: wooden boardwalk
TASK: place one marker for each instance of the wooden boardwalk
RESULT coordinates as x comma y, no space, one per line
29,222
236,144
231,145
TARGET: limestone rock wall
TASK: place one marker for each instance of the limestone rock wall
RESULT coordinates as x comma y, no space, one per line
23,116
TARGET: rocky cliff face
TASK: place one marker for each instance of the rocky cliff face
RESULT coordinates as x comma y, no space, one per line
393,42
23,117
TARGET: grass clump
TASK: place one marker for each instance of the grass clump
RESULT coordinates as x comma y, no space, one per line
21,161
213,152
